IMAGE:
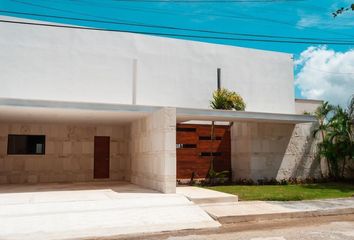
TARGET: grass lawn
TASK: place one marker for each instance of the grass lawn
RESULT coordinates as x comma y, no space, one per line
288,192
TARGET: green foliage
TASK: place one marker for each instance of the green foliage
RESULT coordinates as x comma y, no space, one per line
307,113
217,177
227,100
351,109
288,192
336,128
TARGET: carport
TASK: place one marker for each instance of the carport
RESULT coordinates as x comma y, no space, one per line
88,142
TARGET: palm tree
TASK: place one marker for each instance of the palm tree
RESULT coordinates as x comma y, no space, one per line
336,128
351,112
225,100
340,136
321,114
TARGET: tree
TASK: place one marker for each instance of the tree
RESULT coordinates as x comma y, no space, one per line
351,109
321,114
340,136
337,146
223,99
342,10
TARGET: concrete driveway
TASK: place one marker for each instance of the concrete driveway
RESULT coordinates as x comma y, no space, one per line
65,211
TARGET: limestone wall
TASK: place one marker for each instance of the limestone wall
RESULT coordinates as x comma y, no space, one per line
272,150
68,155
153,151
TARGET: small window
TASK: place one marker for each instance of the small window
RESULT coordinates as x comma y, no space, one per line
203,138
26,144
208,154
186,145
186,129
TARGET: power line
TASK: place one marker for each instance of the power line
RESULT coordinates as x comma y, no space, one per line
243,17
320,70
210,1
154,10
172,35
62,10
169,27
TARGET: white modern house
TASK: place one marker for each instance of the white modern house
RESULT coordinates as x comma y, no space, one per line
84,105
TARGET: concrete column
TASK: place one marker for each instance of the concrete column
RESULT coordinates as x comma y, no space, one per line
153,151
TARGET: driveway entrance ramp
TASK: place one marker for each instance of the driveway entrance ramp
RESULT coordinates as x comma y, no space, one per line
96,210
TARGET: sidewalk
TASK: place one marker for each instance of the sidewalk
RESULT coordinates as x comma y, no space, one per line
266,210
225,208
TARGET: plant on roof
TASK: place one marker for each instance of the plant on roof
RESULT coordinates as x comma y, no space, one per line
223,99
227,100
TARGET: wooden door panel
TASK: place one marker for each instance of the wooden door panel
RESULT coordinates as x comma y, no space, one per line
207,146
187,138
218,131
191,160
101,157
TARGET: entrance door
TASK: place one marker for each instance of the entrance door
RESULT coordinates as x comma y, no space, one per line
101,157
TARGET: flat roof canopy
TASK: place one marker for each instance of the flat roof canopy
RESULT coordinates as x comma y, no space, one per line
188,114
22,110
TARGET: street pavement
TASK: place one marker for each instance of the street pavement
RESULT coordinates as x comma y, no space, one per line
309,228
329,231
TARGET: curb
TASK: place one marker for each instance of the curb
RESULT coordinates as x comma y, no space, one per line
212,200
272,216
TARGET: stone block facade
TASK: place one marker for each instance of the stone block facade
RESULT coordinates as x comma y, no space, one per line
68,155
143,152
273,150
153,151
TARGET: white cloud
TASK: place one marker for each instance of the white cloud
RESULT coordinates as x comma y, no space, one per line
326,74
309,21
324,20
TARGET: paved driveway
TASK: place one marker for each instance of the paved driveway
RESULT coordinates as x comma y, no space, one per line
63,211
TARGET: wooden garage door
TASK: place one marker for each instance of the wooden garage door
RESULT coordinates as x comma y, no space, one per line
101,157
194,150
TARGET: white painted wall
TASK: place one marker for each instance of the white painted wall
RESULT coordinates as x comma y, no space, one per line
81,65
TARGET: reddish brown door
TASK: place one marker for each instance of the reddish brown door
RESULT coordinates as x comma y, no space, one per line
195,150
101,157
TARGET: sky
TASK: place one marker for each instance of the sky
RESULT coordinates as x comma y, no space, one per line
322,71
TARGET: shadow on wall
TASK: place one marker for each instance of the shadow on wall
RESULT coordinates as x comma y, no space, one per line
273,151
275,141
307,166
286,151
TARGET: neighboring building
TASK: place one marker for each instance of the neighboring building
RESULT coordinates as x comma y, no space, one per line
110,104
306,106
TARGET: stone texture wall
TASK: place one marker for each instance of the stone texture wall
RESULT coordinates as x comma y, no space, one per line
273,150
68,156
153,151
